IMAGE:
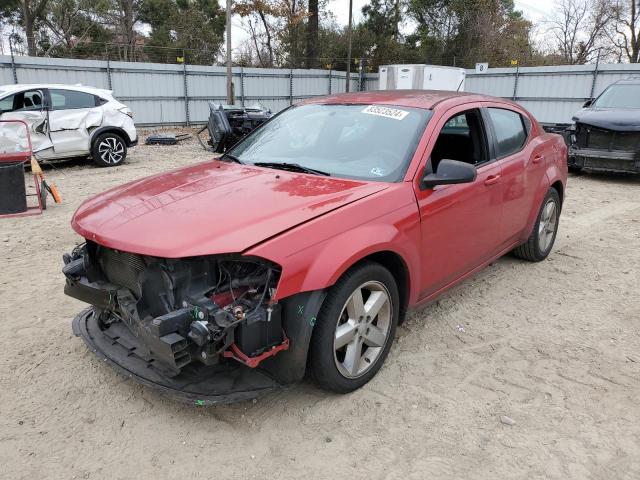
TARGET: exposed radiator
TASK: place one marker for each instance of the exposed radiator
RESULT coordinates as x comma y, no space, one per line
122,269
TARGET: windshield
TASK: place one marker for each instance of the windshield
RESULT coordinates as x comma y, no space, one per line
619,96
369,142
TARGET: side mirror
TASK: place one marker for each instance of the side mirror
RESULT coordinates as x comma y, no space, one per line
587,103
450,172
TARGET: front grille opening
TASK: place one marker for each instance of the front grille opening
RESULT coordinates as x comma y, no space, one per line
602,139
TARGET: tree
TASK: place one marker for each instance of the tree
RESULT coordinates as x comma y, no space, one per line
277,28
312,34
27,14
72,27
463,32
122,17
627,29
193,26
579,29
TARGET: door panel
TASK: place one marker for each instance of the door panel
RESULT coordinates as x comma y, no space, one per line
460,227
517,179
28,106
460,223
70,128
522,173
73,114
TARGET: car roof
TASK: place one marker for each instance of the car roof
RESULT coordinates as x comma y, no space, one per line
9,88
403,98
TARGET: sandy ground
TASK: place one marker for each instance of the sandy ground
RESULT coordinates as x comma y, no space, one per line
555,346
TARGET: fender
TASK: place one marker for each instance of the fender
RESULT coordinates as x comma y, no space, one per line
118,130
325,268
314,255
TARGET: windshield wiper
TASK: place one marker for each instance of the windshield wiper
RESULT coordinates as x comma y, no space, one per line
292,167
233,158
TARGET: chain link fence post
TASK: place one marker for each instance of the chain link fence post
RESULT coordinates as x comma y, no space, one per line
186,89
109,81
242,86
291,86
595,76
515,83
330,79
13,60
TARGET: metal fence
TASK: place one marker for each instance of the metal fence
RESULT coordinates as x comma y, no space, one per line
166,94
552,94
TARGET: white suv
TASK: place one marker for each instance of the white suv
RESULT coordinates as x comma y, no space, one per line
71,121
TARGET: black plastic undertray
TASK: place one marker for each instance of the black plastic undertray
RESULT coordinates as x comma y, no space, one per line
197,384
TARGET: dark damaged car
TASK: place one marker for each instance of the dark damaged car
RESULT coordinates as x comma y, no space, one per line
302,247
606,134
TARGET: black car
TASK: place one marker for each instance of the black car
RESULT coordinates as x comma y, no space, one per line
606,132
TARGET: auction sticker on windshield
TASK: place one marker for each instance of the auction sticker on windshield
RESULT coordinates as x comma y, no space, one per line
387,112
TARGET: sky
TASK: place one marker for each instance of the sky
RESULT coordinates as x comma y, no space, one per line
533,10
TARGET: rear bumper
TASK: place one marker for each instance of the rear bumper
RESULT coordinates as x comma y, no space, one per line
605,160
198,385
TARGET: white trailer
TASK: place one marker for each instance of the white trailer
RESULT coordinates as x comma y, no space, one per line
427,77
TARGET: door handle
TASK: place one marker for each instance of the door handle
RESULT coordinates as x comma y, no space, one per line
491,179
538,158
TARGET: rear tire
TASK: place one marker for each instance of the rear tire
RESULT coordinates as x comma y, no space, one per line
108,150
540,242
355,328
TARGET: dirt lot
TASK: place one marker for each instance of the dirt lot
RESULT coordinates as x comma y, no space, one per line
554,346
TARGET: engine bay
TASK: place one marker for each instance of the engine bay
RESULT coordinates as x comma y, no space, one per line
209,309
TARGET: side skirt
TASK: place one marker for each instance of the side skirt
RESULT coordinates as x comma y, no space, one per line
429,298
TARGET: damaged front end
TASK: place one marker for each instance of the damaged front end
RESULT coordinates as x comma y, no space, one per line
601,149
195,327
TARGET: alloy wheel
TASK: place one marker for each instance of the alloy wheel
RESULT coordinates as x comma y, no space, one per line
111,150
362,329
548,224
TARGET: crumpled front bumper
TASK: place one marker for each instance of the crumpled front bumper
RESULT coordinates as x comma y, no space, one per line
197,384
605,160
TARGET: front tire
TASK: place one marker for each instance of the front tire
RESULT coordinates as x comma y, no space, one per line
540,242
109,150
355,328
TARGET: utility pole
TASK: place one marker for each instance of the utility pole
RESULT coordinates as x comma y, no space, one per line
229,71
349,49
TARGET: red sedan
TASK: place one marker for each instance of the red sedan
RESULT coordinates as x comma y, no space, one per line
302,247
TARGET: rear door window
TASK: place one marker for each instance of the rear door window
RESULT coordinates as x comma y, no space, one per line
510,131
70,99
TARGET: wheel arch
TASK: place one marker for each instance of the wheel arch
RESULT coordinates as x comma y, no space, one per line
111,129
398,268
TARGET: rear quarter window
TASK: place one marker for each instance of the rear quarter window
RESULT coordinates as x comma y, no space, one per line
510,130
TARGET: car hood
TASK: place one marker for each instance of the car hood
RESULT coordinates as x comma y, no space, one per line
620,119
209,208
